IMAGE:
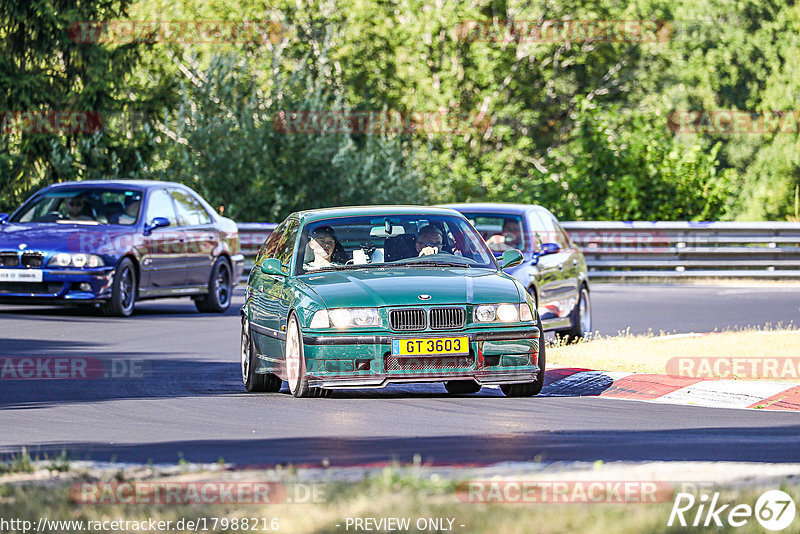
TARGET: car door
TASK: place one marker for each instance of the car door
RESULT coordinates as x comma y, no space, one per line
270,296
202,239
163,249
557,284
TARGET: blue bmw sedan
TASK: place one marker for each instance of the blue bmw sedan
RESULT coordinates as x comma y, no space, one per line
111,243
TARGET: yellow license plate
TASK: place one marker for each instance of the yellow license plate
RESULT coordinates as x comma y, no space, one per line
429,346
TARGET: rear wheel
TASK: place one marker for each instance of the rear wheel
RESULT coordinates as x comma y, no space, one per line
296,363
581,318
252,381
462,387
123,291
220,289
529,389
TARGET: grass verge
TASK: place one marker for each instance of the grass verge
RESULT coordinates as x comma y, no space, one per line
391,494
651,353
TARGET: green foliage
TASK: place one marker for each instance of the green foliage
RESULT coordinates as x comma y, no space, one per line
579,126
45,67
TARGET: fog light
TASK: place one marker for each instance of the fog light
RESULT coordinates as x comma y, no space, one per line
85,286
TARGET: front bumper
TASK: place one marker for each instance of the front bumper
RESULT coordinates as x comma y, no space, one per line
237,264
366,361
61,285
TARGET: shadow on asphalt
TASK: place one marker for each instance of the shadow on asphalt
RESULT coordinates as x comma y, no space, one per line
766,444
144,309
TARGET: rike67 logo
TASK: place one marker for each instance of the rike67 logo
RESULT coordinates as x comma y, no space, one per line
774,510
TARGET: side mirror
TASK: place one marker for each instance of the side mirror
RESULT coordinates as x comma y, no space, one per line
3,218
546,248
511,258
157,222
272,266
549,248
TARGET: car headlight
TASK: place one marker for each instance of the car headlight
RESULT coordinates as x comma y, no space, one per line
504,313
62,259
346,317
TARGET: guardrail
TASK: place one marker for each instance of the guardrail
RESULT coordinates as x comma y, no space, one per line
619,250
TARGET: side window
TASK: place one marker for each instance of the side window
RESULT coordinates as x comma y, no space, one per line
205,217
271,244
549,231
159,204
186,208
286,243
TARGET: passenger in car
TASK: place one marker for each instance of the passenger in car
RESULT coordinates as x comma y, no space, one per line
325,247
131,212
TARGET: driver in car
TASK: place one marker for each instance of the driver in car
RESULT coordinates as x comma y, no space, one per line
508,239
429,241
75,209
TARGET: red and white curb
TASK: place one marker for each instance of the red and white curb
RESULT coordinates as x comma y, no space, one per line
571,382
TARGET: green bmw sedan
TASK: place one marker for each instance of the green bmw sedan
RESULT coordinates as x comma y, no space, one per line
361,297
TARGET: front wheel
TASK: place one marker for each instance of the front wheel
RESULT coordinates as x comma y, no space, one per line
252,381
529,389
220,289
123,291
296,363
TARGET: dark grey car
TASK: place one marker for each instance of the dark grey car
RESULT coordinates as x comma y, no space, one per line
554,269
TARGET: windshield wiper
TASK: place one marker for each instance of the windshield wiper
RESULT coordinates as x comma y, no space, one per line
433,262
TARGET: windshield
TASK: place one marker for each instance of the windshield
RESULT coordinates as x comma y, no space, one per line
83,206
359,242
501,231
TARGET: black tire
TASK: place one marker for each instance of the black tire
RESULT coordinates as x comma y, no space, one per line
462,387
529,389
254,382
580,317
220,289
123,291
295,360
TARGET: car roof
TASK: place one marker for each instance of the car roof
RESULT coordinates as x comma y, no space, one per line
142,184
494,207
356,211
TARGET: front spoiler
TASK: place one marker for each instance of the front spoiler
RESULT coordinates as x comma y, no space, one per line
483,378
378,339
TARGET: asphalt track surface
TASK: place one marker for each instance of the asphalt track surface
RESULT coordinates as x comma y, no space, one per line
189,402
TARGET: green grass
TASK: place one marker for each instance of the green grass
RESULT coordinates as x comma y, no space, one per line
650,353
389,493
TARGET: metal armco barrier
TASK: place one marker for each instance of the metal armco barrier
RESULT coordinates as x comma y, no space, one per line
252,236
689,249
619,250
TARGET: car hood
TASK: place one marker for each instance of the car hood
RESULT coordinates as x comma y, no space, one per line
75,238
401,286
